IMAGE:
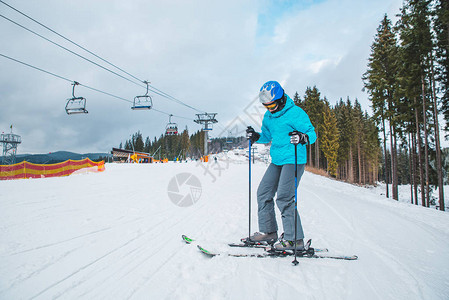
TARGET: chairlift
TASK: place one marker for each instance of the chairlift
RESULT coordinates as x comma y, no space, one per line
143,102
229,139
171,128
75,105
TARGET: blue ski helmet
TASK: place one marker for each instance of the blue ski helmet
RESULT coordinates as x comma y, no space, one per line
270,91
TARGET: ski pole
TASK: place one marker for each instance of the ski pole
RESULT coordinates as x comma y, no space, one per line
295,262
249,191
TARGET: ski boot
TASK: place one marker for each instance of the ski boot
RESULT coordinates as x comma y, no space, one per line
283,244
261,239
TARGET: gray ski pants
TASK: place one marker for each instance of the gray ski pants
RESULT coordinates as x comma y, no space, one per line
280,180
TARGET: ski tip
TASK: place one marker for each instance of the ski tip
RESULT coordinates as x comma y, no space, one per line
186,239
352,257
204,251
342,257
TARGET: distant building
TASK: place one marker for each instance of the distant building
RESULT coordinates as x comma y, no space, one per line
121,155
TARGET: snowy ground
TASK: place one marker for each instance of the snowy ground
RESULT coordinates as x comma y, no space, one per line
116,235
404,194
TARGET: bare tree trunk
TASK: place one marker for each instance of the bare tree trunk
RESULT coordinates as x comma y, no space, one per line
351,166
359,157
317,151
395,164
342,172
414,161
375,172
365,172
421,172
387,177
437,144
394,183
309,148
346,170
410,166
426,151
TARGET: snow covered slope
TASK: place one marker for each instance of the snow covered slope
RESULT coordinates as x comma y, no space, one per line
117,235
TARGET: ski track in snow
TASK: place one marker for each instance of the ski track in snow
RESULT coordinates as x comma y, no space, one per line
353,234
116,235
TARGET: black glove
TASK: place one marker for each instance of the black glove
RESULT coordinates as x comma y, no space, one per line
252,135
297,137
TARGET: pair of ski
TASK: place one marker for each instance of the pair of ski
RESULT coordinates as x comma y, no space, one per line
308,251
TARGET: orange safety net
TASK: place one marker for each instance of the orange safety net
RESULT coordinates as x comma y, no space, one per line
29,170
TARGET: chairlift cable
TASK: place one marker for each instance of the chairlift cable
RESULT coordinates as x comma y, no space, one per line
79,55
64,78
36,68
86,86
103,92
69,40
173,98
154,89
168,114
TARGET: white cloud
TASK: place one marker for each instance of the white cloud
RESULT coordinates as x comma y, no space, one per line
205,53
316,66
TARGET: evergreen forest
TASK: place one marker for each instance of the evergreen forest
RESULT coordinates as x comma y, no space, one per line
406,80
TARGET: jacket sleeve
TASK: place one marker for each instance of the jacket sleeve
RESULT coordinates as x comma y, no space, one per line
265,135
304,125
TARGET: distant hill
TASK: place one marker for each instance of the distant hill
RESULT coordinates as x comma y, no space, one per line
59,156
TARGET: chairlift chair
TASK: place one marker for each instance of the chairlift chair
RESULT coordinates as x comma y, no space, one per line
171,128
75,105
229,139
144,102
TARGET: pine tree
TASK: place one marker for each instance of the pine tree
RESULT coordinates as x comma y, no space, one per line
372,148
442,73
313,106
137,141
329,139
147,145
416,55
359,137
297,99
381,83
441,29
346,135
128,145
185,141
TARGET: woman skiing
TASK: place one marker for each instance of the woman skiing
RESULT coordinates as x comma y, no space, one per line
284,125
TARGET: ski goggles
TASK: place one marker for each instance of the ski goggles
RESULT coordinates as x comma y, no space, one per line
271,105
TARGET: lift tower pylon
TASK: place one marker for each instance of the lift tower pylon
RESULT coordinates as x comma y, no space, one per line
9,142
207,119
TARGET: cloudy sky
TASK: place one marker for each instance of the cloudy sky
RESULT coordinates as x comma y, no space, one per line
213,56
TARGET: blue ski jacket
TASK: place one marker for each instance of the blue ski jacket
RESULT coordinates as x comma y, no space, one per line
276,127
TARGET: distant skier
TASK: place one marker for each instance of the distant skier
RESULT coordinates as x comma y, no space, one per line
281,118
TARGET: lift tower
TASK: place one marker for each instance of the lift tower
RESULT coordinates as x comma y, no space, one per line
207,119
9,142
